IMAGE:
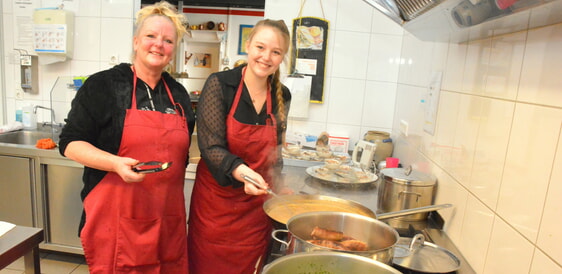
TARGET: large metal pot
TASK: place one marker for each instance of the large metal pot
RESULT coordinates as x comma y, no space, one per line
404,188
379,237
283,207
327,262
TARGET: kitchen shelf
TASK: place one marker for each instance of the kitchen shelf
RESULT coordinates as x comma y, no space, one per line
205,36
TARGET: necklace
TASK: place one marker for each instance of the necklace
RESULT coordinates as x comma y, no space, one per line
149,97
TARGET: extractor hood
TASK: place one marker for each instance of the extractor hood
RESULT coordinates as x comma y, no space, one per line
463,20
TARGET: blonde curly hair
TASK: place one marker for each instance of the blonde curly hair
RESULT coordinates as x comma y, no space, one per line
163,9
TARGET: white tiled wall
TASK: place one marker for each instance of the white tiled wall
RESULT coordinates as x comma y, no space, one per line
362,63
102,29
497,146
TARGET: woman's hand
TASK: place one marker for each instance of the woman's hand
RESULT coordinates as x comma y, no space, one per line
250,188
123,166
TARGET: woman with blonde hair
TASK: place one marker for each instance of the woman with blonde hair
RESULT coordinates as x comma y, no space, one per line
134,218
242,118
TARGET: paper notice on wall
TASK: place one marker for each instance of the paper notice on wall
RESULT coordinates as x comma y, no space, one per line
306,66
300,95
23,24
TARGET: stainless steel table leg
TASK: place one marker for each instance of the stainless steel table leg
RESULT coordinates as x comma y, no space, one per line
31,261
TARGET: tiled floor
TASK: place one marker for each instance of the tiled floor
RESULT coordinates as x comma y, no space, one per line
52,263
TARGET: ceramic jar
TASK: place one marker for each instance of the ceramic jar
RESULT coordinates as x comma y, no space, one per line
384,144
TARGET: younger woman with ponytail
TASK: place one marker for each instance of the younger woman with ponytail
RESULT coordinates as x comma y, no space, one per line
241,123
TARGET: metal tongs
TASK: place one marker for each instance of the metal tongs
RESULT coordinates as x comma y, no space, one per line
150,167
254,182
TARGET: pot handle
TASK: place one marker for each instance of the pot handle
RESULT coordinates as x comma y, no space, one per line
417,238
404,193
274,235
404,212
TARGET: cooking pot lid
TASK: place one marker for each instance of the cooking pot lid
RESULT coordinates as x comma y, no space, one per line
418,255
407,176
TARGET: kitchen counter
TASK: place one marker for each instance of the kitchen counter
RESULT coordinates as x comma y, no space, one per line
296,178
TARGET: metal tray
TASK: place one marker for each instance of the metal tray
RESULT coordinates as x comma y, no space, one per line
344,176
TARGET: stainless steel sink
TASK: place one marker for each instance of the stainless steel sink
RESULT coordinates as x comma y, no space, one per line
25,137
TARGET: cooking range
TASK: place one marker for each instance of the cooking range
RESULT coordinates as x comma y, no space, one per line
297,179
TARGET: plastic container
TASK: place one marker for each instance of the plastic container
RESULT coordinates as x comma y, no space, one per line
29,119
19,113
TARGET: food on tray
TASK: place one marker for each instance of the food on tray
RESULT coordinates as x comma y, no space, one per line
314,155
335,240
341,174
332,164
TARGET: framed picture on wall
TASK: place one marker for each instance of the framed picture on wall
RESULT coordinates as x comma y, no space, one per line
243,37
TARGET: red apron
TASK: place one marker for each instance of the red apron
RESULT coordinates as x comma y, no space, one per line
229,231
141,227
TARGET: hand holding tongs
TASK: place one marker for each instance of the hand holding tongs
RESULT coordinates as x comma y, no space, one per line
150,167
254,182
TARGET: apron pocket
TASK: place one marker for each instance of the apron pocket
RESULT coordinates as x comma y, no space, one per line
137,242
173,240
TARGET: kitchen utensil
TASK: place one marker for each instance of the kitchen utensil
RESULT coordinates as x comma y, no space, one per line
151,167
284,207
424,257
254,182
403,188
379,237
327,262
363,154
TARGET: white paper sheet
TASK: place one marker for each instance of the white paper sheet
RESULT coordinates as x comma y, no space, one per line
300,95
5,227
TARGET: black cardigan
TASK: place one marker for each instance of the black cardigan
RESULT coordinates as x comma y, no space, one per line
98,112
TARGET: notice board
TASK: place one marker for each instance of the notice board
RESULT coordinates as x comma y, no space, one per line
309,43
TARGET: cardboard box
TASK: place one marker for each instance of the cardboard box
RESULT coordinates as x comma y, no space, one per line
338,144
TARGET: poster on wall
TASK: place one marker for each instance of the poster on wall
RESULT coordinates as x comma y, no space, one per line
243,37
309,43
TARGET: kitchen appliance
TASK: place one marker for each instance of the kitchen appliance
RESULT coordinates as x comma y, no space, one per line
364,154
404,188
461,20
384,144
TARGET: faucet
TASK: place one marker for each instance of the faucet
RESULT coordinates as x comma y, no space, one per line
53,121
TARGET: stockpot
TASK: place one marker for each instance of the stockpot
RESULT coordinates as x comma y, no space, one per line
327,262
379,237
404,188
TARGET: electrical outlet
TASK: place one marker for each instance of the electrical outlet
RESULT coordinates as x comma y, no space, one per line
19,94
114,59
404,127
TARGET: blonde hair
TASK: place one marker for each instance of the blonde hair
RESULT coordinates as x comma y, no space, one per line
281,27
163,9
